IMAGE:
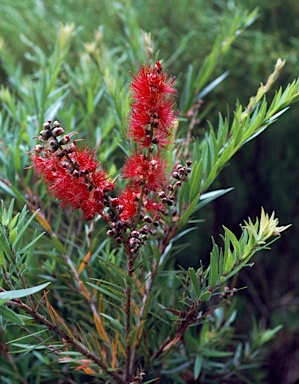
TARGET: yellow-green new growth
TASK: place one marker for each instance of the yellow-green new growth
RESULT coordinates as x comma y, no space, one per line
266,227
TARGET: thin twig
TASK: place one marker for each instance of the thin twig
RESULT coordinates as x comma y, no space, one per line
5,350
143,307
69,339
130,271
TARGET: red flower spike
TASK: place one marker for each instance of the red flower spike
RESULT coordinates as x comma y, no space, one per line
144,171
152,114
74,179
153,206
128,201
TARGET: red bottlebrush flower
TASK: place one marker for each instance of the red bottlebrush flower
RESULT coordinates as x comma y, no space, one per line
152,114
153,206
127,203
72,177
144,171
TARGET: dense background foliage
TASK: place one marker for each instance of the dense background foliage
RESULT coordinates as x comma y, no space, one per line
264,173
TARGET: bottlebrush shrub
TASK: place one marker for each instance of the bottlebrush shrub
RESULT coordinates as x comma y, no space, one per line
133,317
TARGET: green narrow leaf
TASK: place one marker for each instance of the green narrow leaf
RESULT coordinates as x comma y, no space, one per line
13,236
16,158
225,154
156,252
150,381
209,88
18,293
268,334
187,94
188,212
6,248
119,296
194,280
211,176
195,179
213,146
2,257
58,244
32,243
235,243
213,275
205,296
208,197
10,315
13,221
198,366
23,226
228,262
27,336
11,190
114,323
215,353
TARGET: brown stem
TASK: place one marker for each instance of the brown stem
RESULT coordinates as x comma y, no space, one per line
189,318
83,290
5,351
130,270
69,339
143,307
169,235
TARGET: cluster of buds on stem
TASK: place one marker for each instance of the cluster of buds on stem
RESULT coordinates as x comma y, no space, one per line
228,293
71,174
181,172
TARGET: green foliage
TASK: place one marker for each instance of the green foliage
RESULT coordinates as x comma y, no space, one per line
182,322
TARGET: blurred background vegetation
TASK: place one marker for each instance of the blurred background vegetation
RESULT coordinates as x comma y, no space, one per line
265,173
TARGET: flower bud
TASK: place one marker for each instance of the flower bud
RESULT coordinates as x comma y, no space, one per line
58,131
45,134
46,126
38,148
53,143
65,140
110,233
147,219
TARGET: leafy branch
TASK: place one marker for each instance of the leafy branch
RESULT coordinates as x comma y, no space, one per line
212,154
